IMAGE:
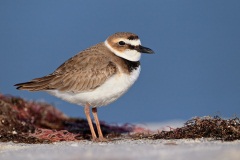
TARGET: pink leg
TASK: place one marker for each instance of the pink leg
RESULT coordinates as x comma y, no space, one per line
101,138
87,113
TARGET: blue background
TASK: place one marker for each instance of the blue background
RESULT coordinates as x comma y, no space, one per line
195,71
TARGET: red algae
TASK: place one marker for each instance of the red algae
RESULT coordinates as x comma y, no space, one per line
24,121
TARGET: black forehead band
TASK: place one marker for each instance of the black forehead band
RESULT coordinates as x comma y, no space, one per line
133,37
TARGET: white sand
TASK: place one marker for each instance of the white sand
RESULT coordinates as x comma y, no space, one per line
201,149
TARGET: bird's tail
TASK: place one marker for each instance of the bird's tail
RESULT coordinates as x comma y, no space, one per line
37,84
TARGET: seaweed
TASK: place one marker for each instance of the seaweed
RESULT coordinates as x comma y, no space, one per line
24,121
215,128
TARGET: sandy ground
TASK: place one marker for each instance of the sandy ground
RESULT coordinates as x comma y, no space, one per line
124,149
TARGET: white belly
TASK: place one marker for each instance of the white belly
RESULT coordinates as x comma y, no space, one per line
108,92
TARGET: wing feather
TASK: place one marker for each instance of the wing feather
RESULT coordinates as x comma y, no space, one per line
83,72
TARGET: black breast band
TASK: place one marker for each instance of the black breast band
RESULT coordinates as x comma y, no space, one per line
131,65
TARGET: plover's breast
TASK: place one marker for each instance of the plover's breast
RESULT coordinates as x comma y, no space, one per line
108,92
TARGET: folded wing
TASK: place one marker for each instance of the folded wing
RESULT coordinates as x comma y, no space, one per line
83,72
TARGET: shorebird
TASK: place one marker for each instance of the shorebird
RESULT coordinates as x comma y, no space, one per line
96,76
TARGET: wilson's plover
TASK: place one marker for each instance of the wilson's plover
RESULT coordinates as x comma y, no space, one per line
96,76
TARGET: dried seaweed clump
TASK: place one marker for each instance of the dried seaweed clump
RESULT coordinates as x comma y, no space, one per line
19,119
33,122
206,127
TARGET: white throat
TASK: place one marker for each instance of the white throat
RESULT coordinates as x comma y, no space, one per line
131,55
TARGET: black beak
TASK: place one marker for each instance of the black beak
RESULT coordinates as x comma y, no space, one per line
144,49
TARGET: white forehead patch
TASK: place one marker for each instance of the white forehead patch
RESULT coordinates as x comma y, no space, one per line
134,42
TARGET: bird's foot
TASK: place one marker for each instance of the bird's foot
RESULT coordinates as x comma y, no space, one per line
100,139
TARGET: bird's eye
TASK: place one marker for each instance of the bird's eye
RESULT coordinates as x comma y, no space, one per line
121,43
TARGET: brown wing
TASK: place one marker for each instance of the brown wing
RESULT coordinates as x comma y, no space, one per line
83,72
